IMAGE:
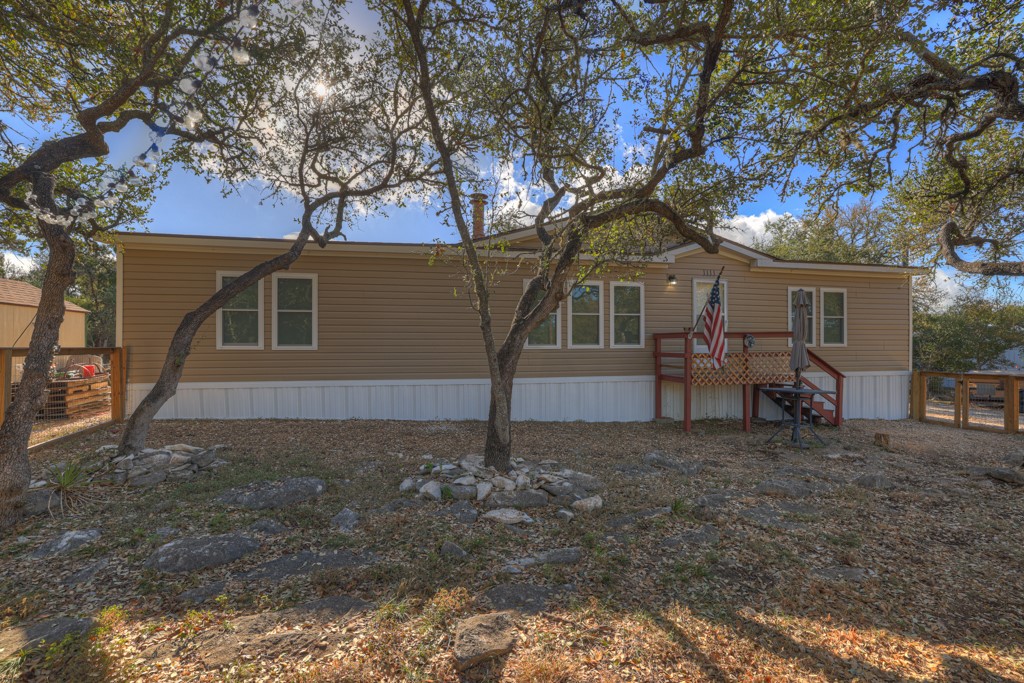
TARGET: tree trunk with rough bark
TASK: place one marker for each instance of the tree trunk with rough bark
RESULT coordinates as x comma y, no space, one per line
498,447
15,471
137,427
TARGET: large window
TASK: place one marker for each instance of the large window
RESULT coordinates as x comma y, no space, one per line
240,320
294,311
547,335
701,291
586,316
809,296
833,317
627,314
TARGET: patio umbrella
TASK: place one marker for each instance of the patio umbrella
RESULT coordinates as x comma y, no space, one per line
798,356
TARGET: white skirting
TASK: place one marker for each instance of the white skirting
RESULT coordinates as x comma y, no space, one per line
556,399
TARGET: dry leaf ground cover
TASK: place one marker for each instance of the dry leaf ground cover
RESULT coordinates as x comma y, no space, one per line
940,597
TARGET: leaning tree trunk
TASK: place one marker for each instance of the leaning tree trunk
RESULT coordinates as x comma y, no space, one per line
136,430
15,471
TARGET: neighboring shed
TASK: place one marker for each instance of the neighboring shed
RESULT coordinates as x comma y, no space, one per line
18,302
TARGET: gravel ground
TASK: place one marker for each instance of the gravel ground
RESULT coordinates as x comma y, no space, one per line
921,581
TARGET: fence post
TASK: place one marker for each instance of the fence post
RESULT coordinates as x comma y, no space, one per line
117,384
915,396
6,374
1011,405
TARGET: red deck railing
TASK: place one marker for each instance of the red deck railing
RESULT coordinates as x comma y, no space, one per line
743,373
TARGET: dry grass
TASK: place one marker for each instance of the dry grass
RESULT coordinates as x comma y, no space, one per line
945,601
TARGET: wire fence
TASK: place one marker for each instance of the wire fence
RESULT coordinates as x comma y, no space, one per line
85,390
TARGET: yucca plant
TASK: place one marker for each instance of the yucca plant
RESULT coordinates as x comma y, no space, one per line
70,482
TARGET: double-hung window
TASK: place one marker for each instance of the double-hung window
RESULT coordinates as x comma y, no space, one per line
809,297
240,320
547,334
627,314
833,317
586,316
295,320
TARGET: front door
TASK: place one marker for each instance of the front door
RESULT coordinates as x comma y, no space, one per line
701,291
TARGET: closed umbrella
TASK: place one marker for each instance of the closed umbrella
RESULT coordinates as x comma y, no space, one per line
798,356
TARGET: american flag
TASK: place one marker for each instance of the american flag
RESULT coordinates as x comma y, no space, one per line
714,326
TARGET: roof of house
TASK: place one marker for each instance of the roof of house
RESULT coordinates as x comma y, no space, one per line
756,258
18,293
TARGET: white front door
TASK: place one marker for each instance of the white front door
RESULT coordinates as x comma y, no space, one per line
701,291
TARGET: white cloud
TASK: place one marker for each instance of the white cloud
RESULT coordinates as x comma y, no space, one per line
745,229
948,285
20,263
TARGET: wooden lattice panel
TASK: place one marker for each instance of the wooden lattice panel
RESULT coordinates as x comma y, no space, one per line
758,367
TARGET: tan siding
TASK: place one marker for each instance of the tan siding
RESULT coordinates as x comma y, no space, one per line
16,327
394,317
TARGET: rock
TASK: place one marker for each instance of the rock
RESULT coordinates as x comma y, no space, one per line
634,517
274,494
165,532
528,498
107,450
179,459
154,461
507,516
482,638
195,596
462,491
270,527
874,480
657,459
259,636
522,482
66,542
591,504
587,482
20,638
411,484
565,515
841,573
432,490
559,556
565,492
345,521
306,562
463,512
706,535
503,483
449,549
766,516
201,552
183,448
205,458
1014,459
467,480
87,573
483,489
1006,475
140,477
521,597
40,501
784,488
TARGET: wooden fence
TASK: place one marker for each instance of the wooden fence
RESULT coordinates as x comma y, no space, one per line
82,395
968,400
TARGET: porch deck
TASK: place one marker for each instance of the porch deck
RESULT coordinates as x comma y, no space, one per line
756,372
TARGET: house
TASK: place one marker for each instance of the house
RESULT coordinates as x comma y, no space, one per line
385,331
18,302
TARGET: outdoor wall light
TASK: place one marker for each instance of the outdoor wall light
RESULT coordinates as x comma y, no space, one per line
671,279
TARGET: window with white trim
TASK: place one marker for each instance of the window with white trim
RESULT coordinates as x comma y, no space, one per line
701,291
586,316
295,318
548,334
240,320
833,317
809,293
627,314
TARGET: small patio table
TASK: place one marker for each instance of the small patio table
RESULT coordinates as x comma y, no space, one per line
796,396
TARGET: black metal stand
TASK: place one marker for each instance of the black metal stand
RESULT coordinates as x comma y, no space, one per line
797,396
